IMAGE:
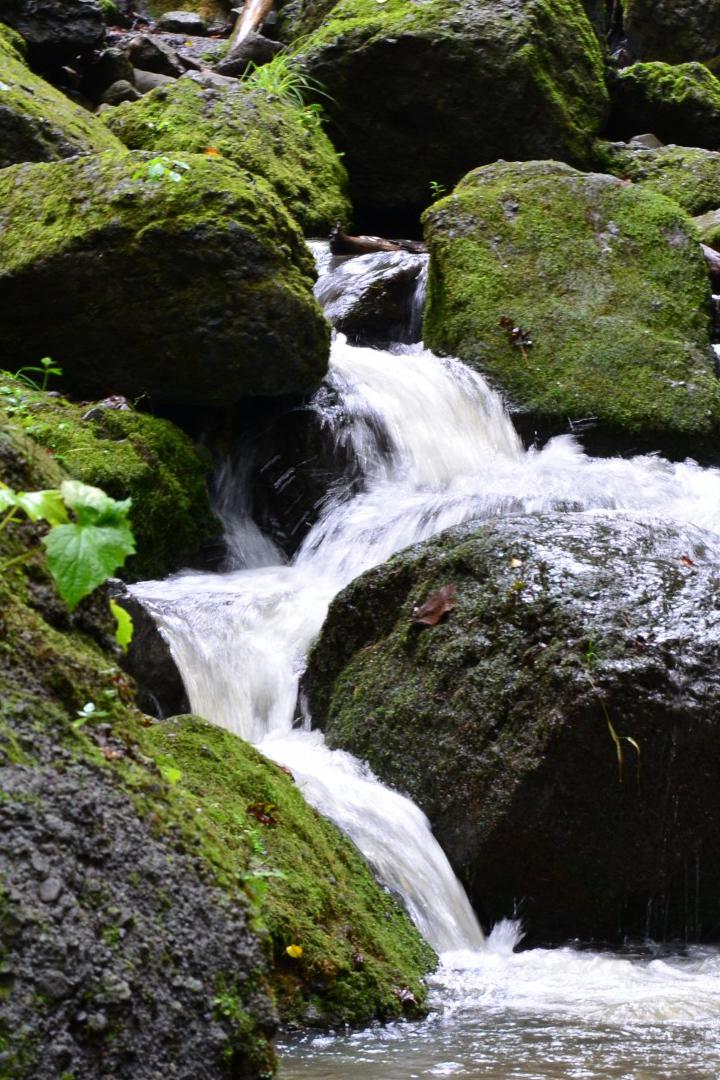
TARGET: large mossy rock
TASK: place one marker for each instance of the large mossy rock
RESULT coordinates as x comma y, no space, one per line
153,876
181,279
609,282
510,721
679,103
56,33
362,959
37,122
262,134
114,920
128,454
672,30
422,92
688,175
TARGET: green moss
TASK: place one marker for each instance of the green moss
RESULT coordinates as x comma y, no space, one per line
606,278
37,122
251,129
193,291
127,454
686,174
211,10
358,949
447,87
678,103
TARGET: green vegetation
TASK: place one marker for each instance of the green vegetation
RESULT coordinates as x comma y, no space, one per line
262,124
688,175
680,103
89,537
128,454
608,280
306,883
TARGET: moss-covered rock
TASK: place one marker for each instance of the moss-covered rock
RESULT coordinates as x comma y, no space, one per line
113,921
686,174
610,284
37,122
137,872
359,951
262,134
672,31
708,228
211,10
421,92
679,103
559,727
127,454
182,279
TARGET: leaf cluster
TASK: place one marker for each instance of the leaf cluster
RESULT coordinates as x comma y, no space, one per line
90,534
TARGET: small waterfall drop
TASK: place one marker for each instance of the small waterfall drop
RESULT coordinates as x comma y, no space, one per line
434,447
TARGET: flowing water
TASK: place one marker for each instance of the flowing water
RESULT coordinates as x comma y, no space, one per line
434,447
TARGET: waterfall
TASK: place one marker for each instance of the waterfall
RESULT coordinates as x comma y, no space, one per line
434,447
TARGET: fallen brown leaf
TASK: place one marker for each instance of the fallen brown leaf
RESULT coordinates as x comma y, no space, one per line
435,607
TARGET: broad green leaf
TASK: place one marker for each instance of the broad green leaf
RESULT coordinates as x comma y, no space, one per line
156,170
82,556
92,506
43,505
8,498
124,627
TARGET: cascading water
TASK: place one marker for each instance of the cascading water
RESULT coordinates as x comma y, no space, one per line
434,447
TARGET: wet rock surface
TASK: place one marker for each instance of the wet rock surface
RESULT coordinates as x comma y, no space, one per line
115,944
558,726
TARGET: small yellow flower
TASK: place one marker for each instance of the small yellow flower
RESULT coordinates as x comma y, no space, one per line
295,951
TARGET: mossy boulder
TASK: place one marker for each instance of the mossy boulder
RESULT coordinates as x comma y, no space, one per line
559,726
689,175
213,11
672,31
128,454
361,957
180,279
679,103
268,137
133,858
113,921
37,122
421,92
608,281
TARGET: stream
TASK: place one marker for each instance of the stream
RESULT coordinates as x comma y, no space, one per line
433,446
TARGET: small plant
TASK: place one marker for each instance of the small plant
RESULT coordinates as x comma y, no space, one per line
89,537
160,169
47,368
437,190
283,79
89,711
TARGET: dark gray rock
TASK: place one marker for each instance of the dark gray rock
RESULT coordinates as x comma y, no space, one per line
560,726
672,30
120,91
108,67
56,33
85,998
183,22
255,49
145,81
150,53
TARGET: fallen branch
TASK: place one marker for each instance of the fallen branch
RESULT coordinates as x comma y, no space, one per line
250,20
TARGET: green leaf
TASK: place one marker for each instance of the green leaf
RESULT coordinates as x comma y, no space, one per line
8,498
92,506
82,556
43,506
171,774
156,170
124,627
